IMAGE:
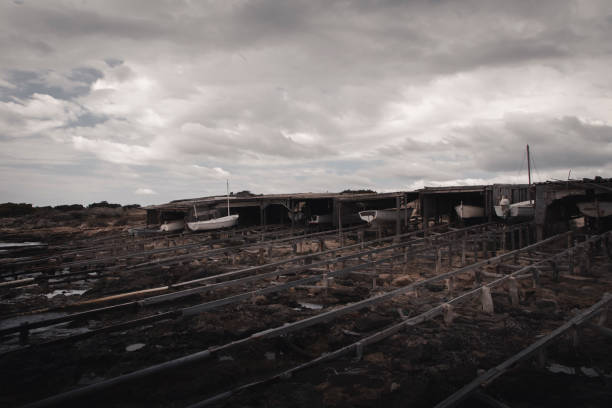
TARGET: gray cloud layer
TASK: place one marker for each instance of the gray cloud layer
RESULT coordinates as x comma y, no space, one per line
143,100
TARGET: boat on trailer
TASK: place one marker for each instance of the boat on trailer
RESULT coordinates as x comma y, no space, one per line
387,216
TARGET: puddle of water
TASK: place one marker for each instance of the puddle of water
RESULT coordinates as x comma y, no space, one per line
558,368
135,346
20,244
312,306
65,292
17,320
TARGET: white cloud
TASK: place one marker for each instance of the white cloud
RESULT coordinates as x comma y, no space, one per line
145,191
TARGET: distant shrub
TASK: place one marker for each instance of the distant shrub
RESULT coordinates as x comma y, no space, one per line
103,204
15,210
69,207
121,222
349,191
96,223
131,206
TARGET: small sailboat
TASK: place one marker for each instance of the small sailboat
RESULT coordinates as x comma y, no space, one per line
517,211
214,223
387,216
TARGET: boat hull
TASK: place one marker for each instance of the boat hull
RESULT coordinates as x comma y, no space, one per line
216,223
594,210
320,219
520,210
384,216
469,211
525,209
173,226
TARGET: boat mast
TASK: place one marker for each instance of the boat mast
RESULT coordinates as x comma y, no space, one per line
227,186
529,174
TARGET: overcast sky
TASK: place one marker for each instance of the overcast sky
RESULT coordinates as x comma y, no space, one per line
150,101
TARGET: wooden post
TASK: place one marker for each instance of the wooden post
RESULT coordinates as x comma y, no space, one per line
535,273
450,254
438,260
397,218
450,286
339,206
513,291
463,250
555,271
449,315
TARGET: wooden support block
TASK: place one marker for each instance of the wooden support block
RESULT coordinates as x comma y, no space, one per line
261,259
487,300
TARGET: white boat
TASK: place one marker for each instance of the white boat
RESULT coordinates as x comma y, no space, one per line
523,209
384,216
320,219
596,209
172,226
215,223
465,211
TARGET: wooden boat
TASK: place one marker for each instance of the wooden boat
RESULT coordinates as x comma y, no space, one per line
596,209
465,211
320,219
387,216
172,226
215,223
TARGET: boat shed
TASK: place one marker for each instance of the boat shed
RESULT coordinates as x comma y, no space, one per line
556,203
276,208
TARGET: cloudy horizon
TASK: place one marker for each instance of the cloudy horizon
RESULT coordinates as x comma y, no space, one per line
151,101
